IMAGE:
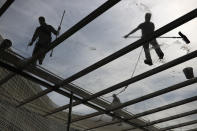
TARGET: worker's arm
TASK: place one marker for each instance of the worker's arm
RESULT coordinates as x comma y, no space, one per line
54,31
35,36
134,30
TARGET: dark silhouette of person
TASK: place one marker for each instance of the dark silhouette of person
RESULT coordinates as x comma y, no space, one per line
147,28
43,34
116,102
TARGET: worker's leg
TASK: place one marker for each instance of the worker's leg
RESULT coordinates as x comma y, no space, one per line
41,58
157,48
35,51
147,54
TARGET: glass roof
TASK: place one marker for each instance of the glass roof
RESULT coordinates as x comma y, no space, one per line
103,37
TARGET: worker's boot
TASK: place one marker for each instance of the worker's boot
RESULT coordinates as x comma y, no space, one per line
161,55
148,62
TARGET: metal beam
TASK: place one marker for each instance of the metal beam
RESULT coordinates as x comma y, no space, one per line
165,107
5,6
43,83
187,17
179,125
168,118
70,112
14,59
89,18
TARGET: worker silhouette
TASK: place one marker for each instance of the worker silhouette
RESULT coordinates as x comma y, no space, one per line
147,28
116,102
43,34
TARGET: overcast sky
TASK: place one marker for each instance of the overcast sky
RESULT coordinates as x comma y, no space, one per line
105,34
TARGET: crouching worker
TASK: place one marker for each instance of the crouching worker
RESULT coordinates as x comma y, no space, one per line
116,102
43,34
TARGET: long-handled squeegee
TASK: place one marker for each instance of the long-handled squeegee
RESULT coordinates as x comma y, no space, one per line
181,36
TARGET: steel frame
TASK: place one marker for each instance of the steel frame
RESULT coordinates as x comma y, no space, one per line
14,58
19,70
43,83
133,117
189,16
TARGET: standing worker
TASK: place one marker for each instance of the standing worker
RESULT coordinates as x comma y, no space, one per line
43,33
147,28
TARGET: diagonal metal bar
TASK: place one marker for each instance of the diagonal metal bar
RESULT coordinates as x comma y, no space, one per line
5,6
187,17
146,97
179,125
100,10
165,107
43,83
132,80
168,118
52,78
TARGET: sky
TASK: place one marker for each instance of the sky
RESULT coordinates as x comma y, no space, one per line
103,37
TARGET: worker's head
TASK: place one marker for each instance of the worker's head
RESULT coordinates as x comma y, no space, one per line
114,95
41,20
147,17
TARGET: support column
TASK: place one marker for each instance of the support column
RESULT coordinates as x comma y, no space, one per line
70,112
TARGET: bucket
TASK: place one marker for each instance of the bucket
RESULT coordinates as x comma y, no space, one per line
188,71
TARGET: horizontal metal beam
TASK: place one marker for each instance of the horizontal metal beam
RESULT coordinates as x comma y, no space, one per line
43,83
168,118
165,107
189,16
5,6
100,10
179,125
